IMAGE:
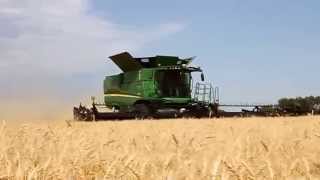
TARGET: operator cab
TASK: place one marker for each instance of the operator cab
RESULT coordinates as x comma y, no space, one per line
173,83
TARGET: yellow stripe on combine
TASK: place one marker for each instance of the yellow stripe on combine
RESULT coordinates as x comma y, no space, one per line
122,95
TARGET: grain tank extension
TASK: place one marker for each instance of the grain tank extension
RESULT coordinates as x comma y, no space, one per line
152,87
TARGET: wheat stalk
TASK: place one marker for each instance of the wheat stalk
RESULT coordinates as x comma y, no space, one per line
149,149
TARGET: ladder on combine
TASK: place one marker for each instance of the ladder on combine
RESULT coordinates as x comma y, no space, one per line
206,93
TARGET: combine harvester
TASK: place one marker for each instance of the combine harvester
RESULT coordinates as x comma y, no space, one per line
153,87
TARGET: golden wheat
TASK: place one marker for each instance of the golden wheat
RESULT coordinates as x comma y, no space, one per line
235,148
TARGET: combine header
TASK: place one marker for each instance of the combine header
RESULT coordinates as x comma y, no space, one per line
153,87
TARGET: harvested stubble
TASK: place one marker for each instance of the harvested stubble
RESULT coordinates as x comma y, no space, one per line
253,148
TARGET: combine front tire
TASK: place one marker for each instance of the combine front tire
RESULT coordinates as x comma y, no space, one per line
142,110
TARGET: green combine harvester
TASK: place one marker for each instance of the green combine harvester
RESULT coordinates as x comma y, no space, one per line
152,87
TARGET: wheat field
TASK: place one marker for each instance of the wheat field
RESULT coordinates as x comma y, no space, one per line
235,148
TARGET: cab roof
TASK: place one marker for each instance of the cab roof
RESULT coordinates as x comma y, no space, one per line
128,63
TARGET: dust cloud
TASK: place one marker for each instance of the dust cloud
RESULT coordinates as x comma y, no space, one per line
35,110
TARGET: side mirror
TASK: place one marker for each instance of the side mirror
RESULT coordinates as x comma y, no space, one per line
202,77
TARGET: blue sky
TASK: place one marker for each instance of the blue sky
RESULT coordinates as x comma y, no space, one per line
255,51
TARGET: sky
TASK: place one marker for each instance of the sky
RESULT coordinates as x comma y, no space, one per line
56,52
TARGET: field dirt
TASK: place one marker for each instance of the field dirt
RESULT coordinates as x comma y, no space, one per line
233,148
